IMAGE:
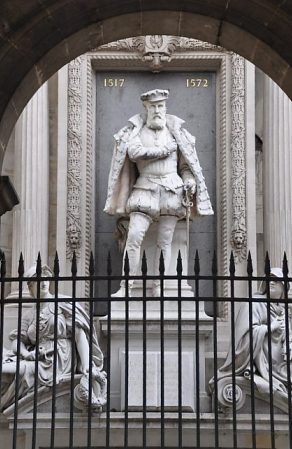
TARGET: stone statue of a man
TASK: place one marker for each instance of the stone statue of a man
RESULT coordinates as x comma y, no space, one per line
153,164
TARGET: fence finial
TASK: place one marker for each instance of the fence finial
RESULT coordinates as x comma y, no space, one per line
285,265
179,267
161,264
249,265
3,265
197,264
91,264
144,267
74,264
56,265
21,265
109,264
39,265
214,264
267,265
127,265
231,264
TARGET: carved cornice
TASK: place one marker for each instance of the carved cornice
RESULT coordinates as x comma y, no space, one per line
74,141
238,156
157,50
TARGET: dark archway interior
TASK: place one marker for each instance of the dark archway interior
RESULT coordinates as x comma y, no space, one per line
38,37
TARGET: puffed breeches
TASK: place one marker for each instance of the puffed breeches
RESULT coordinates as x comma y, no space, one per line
156,202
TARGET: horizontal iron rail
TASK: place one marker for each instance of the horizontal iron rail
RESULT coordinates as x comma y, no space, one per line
150,298
149,277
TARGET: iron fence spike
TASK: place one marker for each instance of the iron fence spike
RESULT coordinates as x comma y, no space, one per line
179,267
197,263
214,264
232,264
161,264
127,264
56,265
91,264
74,264
3,265
144,267
267,265
249,265
285,265
39,265
109,264
21,265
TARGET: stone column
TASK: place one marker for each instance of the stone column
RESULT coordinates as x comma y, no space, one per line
30,217
277,169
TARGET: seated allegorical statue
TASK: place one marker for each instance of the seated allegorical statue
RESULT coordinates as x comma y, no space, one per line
261,359
46,355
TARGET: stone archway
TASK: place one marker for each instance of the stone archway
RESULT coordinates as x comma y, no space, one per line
37,38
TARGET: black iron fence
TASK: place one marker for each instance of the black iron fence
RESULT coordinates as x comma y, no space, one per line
70,379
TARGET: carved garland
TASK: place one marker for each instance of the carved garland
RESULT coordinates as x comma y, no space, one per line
238,155
73,237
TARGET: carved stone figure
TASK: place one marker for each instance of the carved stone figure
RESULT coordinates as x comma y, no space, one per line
154,162
260,363
46,354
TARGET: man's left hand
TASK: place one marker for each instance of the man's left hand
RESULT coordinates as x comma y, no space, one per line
190,185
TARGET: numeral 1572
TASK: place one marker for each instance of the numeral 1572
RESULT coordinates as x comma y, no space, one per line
197,82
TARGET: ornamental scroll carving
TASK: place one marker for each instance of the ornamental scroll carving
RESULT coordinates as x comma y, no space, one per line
238,156
74,141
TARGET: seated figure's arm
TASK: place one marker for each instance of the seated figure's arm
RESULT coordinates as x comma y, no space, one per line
24,338
25,354
82,348
137,151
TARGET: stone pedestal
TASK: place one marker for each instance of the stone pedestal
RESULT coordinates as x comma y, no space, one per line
277,144
153,363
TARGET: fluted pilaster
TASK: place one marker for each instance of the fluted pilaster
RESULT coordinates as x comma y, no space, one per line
30,218
277,156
